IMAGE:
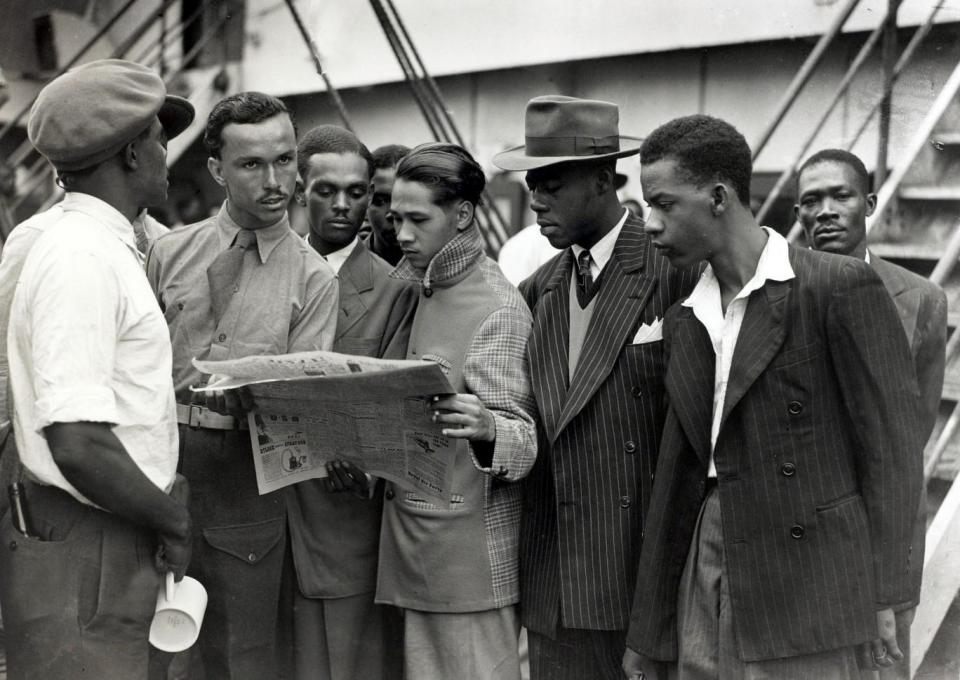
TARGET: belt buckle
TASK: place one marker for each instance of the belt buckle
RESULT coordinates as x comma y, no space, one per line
196,413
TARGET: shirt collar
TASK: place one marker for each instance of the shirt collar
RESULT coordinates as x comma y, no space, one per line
102,212
602,250
268,238
337,258
774,265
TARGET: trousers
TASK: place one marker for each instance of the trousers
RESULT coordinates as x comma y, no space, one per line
78,600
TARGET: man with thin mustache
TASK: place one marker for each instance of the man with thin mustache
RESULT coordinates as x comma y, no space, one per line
238,284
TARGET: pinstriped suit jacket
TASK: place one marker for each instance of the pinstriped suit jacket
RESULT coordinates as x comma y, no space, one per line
816,459
585,498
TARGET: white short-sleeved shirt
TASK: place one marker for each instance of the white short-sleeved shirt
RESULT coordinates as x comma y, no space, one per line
88,343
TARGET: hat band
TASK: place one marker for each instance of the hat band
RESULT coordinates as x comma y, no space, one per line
572,146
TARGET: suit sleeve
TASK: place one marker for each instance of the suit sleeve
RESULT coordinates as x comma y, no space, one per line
873,366
930,360
497,372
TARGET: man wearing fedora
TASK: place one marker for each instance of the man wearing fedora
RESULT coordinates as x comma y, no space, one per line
94,414
597,361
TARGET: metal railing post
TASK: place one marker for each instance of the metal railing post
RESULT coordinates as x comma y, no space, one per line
803,75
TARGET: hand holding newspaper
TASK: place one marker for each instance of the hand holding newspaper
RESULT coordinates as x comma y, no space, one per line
314,407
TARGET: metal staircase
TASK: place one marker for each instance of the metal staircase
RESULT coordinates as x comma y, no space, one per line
154,42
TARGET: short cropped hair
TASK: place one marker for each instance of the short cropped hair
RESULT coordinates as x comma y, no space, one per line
838,156
704,147
330,139
448,170
242,108
388,156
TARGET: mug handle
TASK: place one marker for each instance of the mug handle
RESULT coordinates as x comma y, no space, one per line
171,587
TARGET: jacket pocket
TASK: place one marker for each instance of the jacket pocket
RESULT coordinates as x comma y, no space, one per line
837,502
249,543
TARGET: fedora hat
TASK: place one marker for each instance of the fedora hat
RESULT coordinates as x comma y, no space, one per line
561,129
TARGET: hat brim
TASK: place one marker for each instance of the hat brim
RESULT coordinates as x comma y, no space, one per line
176,114
516,159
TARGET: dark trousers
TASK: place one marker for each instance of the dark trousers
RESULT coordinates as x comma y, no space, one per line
77,601
575,654
240,555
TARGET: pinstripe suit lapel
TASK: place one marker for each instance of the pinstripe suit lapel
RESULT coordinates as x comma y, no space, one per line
548,354
689,379
624,291
761,336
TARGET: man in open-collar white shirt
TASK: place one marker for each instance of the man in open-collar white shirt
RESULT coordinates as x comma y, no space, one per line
724,328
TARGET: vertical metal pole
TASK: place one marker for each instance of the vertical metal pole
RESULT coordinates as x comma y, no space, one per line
162,66
889,61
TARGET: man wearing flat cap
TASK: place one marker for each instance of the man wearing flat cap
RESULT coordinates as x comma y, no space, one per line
596,360
94,411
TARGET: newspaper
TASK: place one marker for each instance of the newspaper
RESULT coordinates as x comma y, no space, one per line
313,407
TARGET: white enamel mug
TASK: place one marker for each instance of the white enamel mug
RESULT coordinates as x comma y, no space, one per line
179,614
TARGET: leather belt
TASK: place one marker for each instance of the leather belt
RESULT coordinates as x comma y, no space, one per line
195,415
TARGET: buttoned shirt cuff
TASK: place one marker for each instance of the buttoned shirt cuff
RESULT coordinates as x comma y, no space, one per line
76,405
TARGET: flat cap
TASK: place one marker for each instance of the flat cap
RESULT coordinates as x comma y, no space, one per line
90,113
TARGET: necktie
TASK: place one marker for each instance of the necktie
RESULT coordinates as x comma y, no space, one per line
223,274
585,287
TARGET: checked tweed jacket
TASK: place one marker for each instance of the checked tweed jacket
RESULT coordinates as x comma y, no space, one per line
586,497
474,324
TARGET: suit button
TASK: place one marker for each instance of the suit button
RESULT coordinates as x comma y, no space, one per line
797,531
252,557
389,495
624,502
221,337
502,471
629,446
795,408
428,292
788,469
637,392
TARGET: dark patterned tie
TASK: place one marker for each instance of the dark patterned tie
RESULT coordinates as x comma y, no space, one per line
223,274
585,287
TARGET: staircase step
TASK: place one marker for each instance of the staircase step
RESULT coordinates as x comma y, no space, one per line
951,388
951,138
930,193
907,251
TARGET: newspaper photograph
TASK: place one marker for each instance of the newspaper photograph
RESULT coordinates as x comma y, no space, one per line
314,407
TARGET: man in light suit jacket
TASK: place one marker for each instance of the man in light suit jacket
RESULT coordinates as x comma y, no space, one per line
834,202
596,363
785,493
340,633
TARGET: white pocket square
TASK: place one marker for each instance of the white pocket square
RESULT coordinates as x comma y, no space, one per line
648,332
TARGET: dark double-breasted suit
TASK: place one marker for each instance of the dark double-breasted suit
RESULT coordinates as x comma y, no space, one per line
585,499
816,461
